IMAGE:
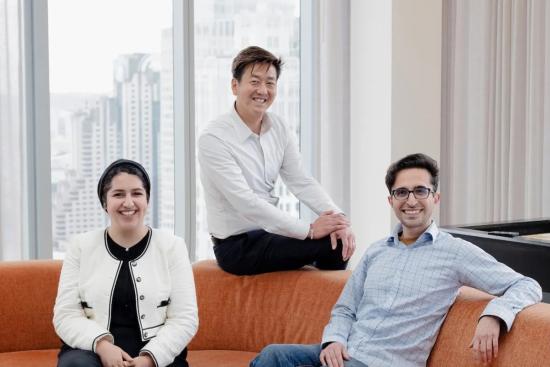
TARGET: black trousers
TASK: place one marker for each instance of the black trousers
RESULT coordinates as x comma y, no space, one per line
72,357
258,251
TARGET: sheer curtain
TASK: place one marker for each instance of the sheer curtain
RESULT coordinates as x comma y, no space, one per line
496,111
11,133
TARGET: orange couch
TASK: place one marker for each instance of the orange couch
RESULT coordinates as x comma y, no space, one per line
240,315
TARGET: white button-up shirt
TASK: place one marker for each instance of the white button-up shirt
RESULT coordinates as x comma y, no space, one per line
238,172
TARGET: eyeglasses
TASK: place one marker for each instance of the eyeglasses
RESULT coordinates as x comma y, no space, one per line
419,192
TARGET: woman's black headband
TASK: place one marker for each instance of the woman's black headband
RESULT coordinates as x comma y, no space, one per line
121,163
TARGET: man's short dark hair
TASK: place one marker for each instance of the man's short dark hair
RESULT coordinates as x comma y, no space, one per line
254,55
417,160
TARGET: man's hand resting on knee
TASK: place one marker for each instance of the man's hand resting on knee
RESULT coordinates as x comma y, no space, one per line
348,241
326,223
334,355
338,227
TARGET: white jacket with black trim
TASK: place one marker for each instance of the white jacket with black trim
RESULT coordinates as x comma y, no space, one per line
164,286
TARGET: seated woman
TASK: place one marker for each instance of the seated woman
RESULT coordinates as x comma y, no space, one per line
126,294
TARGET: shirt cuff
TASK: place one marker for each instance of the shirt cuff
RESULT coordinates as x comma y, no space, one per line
333,339
108,336
302,230
501,312
150,354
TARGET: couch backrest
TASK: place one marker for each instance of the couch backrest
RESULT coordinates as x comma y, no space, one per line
247,313
27,296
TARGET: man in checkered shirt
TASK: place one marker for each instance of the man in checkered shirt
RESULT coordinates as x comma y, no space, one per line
393,305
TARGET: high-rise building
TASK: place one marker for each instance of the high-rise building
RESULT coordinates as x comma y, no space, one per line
166,134
137,92
125,125
75,204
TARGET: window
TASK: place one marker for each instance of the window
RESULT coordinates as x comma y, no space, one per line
111,97
114,93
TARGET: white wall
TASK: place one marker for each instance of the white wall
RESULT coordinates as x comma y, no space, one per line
416,82
395,101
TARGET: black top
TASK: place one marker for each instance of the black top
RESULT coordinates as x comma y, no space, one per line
124,318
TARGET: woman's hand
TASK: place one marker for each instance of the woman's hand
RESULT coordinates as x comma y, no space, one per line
142,361
111,355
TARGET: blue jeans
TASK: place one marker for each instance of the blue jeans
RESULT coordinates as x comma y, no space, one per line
294,355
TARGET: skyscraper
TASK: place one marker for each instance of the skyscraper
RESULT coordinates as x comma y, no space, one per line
125,125
137,92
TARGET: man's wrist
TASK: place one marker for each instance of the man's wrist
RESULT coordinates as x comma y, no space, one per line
500,321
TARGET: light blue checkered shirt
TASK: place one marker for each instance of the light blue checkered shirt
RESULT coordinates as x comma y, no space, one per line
393,305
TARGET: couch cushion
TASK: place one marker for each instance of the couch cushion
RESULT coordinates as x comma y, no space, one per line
219,358
28,291
201,358
248,312
30,358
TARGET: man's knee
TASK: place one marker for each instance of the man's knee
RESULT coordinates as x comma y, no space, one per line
283,355
271,353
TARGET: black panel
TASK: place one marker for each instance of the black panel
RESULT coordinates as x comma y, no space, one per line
501,240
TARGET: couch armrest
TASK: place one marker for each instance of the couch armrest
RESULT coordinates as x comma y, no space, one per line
527,344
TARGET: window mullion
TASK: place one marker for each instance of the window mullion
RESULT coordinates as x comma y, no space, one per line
36,99
184,124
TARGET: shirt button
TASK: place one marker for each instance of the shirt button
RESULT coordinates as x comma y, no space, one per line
134,263
142,297
142,316
145,334
138,279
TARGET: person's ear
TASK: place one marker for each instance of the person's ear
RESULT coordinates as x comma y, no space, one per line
234,85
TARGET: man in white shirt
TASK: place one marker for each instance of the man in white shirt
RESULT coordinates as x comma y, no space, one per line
241,154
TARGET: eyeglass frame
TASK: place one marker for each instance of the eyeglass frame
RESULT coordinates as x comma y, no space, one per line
430,191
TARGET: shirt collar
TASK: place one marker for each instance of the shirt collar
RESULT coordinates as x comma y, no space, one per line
242,129
429,235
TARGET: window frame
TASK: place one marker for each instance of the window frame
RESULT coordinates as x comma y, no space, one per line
38,243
